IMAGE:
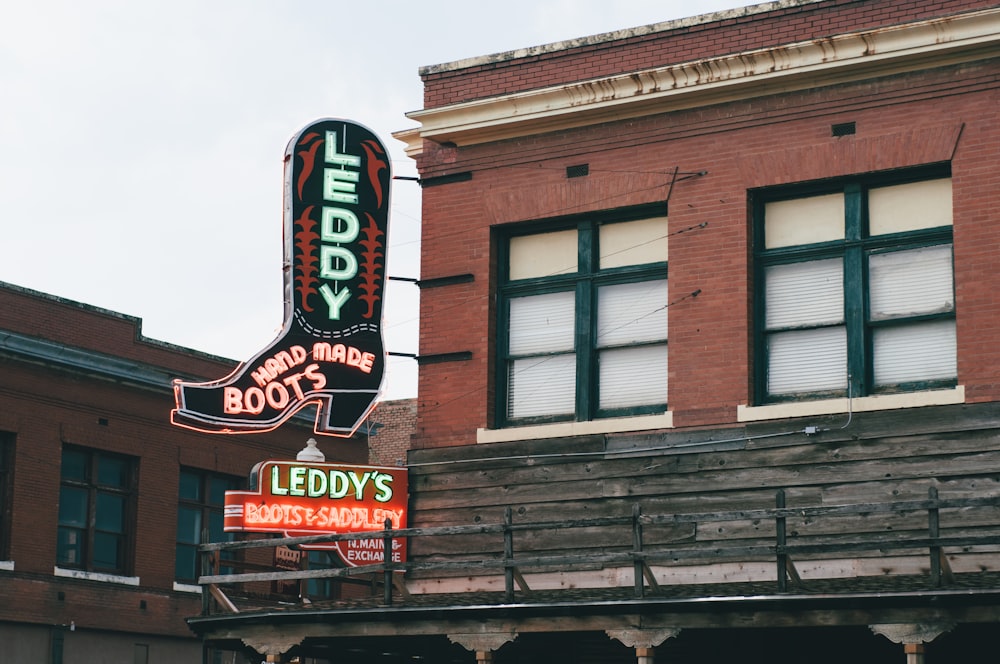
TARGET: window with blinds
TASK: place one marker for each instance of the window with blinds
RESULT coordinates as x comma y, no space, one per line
583,321
857,292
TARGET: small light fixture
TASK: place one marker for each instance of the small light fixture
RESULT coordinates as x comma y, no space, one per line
310,452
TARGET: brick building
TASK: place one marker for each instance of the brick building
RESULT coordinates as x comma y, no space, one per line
708,349
102,500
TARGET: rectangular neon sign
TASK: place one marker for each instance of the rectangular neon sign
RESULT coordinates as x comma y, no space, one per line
298,498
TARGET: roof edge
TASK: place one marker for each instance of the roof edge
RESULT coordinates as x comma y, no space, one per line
624,33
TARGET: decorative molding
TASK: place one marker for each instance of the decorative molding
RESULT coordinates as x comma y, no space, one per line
271,645
482,642
643,638
804,65
912,632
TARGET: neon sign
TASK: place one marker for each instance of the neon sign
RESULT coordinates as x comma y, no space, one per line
294,498
330,350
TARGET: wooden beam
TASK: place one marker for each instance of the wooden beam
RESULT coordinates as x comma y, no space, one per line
221,598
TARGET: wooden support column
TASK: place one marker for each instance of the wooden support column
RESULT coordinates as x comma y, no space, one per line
913,637
914,653
645,655
644,640
483,643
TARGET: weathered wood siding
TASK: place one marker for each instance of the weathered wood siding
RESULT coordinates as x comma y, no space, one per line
879,458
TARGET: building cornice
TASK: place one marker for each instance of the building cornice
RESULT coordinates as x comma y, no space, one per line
820,62
68,358
735,13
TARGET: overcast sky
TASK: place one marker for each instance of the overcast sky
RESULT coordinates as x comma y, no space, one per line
141,142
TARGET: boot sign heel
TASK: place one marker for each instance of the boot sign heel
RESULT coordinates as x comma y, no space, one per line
330,351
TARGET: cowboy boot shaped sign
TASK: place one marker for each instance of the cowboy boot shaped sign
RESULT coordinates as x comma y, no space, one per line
330,350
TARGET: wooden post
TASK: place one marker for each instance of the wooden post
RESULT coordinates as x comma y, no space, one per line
484,657
387,564
205,563
638,563
780,540
934,531
645,655
912,636
914,653
508,556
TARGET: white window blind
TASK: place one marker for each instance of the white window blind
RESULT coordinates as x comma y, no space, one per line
542,323
911,283
633,313
807,360
809,293
905,284
542,328
633,376
542,386
916,352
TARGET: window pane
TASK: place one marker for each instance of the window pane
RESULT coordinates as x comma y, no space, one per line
74,465
186,562
217,487
633,376
908,207
69,547
190,486
112,472
188,525
321,588
543,255
632,313
542,386
910,283
73,507
809,293
542,323
807,361
918,352
108,551
110,512
633,242
804,221
216,527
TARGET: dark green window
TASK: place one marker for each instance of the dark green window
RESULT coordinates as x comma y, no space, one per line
201,505
323,588
96,511
583,319
855,291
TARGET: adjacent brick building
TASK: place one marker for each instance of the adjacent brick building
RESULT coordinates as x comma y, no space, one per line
102,500
708,349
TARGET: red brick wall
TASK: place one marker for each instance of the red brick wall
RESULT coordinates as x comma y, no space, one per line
45,408
682,44
391,441
906,120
